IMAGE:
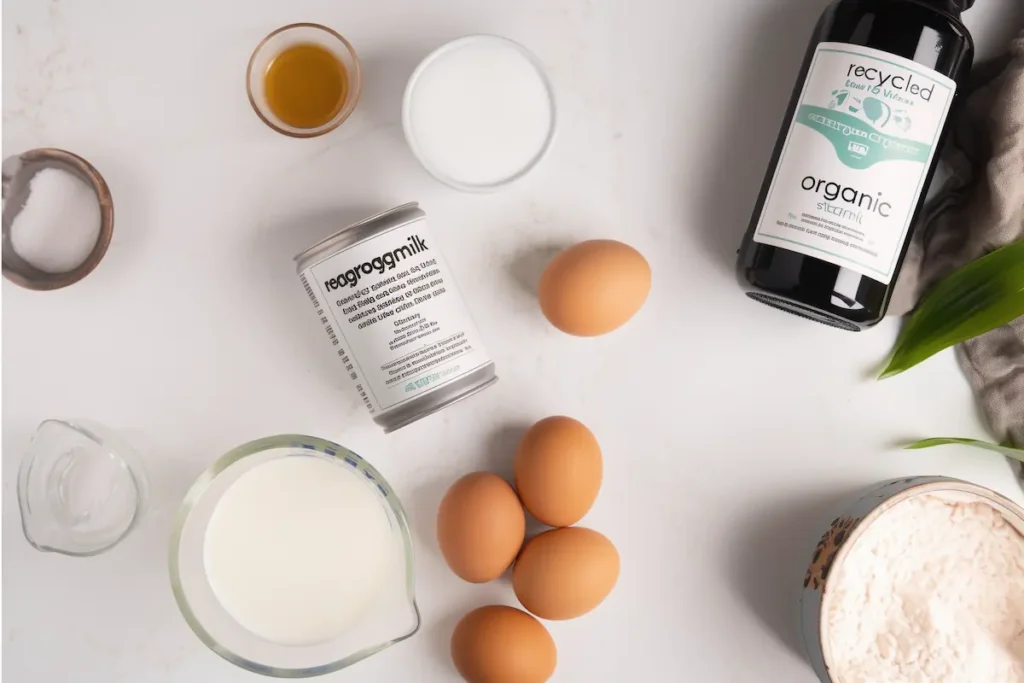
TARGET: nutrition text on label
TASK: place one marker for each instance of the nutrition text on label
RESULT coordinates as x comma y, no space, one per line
428,357
343,356
391,302
393,295
399,293
829,230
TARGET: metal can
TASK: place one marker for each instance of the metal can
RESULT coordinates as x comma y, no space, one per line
392,311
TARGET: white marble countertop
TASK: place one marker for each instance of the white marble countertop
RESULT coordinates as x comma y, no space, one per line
731,432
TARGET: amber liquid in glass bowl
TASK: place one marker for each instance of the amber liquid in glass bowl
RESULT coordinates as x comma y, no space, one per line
303,80
306,85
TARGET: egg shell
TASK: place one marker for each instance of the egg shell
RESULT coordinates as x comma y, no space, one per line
594,287
565,573
558,470
480,527
500,644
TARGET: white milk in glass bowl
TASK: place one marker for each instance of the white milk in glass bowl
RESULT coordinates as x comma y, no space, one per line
291,557
479,113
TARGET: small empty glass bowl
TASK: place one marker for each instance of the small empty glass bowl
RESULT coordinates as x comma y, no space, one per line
81,488
289,36
393,617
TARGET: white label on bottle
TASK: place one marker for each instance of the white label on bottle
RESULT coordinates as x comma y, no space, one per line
392,309
854,161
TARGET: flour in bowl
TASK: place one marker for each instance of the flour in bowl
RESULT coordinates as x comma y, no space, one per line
931,592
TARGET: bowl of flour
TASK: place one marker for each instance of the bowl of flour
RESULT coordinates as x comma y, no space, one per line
921,580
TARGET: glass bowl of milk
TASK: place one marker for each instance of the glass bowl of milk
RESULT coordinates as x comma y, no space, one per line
291,557
479,113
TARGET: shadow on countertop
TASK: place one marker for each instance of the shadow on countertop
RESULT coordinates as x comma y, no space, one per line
498,457
283,304
769,560
528,264
748,125
422,505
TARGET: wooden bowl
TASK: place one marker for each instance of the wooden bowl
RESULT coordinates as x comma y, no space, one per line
17,173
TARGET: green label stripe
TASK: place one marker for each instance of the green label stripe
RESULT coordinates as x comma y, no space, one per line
857,143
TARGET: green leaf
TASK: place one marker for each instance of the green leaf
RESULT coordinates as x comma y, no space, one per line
1008,451
981,296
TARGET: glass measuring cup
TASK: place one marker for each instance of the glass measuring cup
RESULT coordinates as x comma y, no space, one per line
393,617
81,488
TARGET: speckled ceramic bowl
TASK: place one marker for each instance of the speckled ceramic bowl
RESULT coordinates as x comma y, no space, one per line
843,533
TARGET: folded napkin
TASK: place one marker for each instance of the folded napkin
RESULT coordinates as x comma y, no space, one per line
979,208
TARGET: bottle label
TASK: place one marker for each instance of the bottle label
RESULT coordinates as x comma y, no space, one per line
392,311
855,158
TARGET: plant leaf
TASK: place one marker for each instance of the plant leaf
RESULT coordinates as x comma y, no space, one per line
1008,451
981,296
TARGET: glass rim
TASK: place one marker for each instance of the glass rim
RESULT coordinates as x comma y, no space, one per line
199,489
413,143
347,107
25,471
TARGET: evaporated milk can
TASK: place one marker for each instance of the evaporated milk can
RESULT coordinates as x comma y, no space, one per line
390,307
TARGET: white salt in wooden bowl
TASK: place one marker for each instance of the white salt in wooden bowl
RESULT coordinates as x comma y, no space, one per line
17,173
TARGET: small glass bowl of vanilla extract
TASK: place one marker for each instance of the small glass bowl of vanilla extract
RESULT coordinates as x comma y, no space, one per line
304,80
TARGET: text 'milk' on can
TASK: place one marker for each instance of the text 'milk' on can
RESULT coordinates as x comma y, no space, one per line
394,314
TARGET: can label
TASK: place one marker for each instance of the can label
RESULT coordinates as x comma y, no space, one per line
855,160
391,308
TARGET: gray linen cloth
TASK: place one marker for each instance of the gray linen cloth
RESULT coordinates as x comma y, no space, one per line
979,208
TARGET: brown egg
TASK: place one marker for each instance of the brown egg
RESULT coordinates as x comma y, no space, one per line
565,573
558,470
480,526
499,644
594,287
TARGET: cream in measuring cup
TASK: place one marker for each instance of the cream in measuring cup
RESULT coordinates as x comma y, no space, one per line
298,550
291,557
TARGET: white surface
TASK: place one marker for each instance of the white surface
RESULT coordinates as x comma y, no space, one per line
731,431
478,111
298,549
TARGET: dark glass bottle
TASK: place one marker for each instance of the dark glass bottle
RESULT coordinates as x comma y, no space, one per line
822,286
